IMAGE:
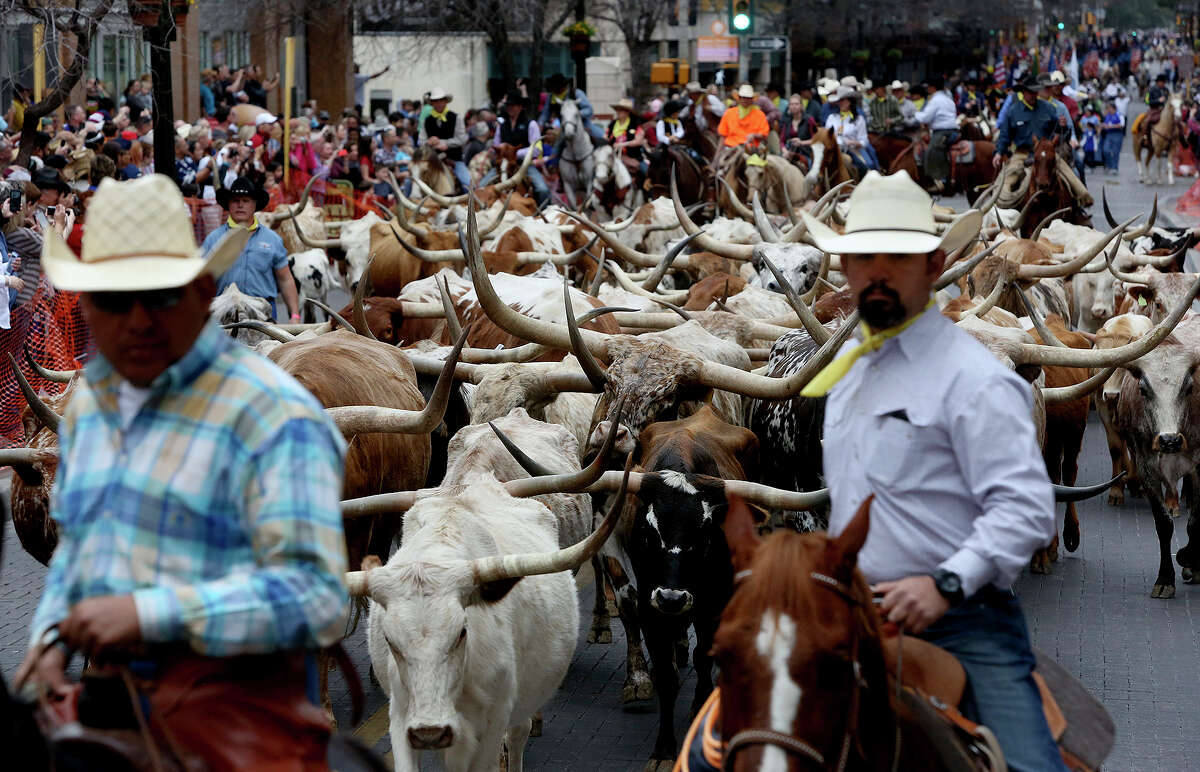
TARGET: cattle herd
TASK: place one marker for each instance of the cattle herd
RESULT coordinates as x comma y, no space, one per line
505,377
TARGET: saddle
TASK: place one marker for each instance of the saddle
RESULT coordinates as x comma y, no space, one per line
962,152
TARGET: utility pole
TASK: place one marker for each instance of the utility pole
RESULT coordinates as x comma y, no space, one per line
159,37
580,56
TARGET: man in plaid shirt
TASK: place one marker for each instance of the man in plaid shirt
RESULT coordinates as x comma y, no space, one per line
197,494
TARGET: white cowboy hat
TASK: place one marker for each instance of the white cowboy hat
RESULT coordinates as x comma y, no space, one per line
693,86
139,237
843,92
898,84
440,93
624,103
746,90
892,215
851,81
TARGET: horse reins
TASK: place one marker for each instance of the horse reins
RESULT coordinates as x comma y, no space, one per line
799,747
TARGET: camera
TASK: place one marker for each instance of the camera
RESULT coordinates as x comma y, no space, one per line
14,201
50,210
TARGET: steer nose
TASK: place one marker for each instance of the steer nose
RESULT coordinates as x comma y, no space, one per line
428,738
1100,313
671,601
1168,443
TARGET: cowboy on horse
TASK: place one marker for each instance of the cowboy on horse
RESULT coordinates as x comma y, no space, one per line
744,125
941,116
1027,119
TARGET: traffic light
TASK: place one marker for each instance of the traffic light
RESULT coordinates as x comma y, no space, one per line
741,17
1061,25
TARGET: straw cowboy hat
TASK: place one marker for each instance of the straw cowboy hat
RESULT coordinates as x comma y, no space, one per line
843,92
851,81
746,90
893,215
897,85
693,86
139,237
440,93
624,103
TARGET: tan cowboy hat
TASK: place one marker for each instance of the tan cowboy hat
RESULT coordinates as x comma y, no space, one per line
693,86
624,103
138,237
440,93
746,90
892,215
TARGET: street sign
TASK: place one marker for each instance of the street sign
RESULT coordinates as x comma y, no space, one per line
771,43
717,48
717,27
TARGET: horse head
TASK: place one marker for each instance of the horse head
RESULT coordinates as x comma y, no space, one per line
569,116
1045,160
798,648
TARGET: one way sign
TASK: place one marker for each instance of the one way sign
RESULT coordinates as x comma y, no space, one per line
770,43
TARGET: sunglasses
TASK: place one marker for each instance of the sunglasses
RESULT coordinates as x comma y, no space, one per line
150,300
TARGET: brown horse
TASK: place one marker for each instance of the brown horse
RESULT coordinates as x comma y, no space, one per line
1158,142
803,675
835,169
888,147
968,178
1054,193
691,175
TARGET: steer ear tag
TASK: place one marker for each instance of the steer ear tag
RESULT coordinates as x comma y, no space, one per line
1141,301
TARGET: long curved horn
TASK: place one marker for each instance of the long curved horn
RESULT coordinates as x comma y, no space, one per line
1069,357
432,255
777,498
1144,228
1046,221
962,268
1047,335
1018,223
532,467
570,258
1071,266
402,221
403,200
495,223
815,329
360,313
368,419
570,482
288,212
1068,493
452,323
703,240
684,315
54,376
623,251
270,330
735,203
822,274
438,197
598,279
527,352
768,231
515,180
27,456
787,195
656,276
679,296
620,225
591,367
1129,278
989,302
800,229
48,417
1078,390
317,243
334,315
498,568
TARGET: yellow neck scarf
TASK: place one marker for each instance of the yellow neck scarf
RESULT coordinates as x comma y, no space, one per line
619,127
440,117
872,341
1021,99
847,116
670,121
744,111
253,223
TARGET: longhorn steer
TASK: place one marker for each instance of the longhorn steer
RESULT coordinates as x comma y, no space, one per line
678,556
315,277
233,305
1117,332
32,485
1158,413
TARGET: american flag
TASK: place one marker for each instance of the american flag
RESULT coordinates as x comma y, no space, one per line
1001,73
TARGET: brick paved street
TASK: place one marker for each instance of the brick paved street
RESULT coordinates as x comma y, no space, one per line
1094,614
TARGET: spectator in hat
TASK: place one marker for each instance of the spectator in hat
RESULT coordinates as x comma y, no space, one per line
262,267
669,129
908,111
264,125
701,105
52,185
519,130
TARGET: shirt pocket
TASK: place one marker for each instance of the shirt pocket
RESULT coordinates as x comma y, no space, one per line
900,450
261,258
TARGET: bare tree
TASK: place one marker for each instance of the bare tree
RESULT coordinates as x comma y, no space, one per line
637,20
71,25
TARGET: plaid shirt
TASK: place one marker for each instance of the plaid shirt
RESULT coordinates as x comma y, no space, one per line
885,113
216,505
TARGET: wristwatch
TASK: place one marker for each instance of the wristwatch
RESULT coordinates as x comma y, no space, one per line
949,584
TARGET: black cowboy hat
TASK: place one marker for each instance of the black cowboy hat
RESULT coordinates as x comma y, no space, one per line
516,97
48,178
1160,78
1029,83
242,186
556,81
672,107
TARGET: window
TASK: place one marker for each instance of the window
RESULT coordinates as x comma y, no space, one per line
205,52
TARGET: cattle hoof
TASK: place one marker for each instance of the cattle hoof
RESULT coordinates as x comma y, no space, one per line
638,687
1071,539
659,765
1116,498
1040,563
599,636
1163,591
535,725
1190,577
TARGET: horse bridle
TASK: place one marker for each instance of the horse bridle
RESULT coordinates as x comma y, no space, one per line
797,746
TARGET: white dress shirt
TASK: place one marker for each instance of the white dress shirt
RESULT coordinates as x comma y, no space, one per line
852,129
942,434
939,112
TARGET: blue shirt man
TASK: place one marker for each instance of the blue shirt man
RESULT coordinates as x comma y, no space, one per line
262,268
560,91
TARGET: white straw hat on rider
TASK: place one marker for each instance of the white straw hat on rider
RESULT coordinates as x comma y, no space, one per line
440,93
892,215
139,237
746,90
898,84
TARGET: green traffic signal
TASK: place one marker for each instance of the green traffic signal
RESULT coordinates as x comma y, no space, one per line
1061,25
741,16
741,21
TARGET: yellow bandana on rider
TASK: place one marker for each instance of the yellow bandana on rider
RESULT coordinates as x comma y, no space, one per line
671,121
619,127
872,341
743,111
253,227
439,117
1021,98
847,115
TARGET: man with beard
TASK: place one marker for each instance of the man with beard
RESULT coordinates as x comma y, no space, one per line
923,418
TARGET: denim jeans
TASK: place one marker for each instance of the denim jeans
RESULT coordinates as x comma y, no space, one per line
462,175
533,175
987,634
1110,145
